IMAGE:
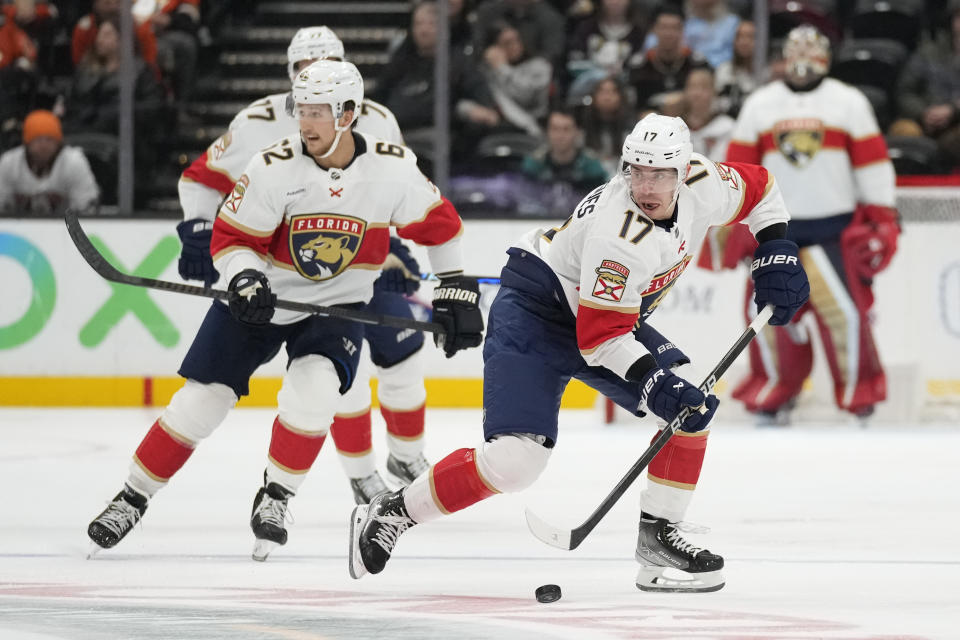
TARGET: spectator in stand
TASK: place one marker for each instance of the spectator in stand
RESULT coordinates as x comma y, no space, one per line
563,159
16,47
18,78
602,43
710,130
735,80
606,121
663,68
929,91
37,18
43,177
540,25
93,104
520,84
85,33
710,30
175,23
406,87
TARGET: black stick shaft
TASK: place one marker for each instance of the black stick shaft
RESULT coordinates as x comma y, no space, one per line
106,270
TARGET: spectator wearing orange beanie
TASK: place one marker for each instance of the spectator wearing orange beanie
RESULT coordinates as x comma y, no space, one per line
42,176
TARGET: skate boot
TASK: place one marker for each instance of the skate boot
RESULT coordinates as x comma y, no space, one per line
661,549
365,489
267,519
404,472
116,521
374,530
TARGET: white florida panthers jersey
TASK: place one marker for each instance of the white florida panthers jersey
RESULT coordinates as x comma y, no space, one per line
212,175
616,265
321,235
823,146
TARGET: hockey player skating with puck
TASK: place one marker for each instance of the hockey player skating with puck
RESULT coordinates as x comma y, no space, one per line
394,352
567,308
270,240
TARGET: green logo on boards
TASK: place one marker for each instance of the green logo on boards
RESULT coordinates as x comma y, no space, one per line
128,299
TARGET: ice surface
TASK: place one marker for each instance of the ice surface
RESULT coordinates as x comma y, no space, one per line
828,530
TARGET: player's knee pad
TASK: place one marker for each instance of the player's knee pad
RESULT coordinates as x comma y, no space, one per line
310,394
198,408
512,462
357,397
401,386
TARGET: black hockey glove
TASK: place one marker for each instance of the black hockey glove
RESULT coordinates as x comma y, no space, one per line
779,279
666,394
251,301
195,260
401,273
456,306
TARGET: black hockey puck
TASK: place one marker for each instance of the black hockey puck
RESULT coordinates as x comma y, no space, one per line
548,593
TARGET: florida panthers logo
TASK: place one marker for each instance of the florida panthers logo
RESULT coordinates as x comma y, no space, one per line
611,280
799,139
324,244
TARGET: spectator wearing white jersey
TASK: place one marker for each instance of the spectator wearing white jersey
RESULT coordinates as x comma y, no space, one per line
43,177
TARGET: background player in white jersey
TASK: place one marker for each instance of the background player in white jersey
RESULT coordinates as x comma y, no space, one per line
573,303
269,237
820,138
394,352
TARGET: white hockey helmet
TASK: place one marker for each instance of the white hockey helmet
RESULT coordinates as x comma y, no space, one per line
332,82
806,52
661,142
312,43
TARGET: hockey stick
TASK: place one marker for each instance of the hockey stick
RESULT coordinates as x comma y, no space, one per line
570,539
106,270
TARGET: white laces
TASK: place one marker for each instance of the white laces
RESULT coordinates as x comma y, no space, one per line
119,516
371,485
418,466
677,541
393,526
274,511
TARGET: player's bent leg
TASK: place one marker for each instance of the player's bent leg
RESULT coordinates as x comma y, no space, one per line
668,562
306,403
506,463
351,435
194,412
402,397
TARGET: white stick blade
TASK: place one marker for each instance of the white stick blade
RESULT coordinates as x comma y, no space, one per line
547,533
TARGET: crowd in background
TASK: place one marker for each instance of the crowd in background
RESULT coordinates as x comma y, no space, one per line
542,92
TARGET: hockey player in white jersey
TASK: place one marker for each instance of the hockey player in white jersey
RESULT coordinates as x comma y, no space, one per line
820,138
568,306
309,219
394,352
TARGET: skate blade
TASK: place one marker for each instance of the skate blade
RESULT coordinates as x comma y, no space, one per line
262,549
355,561
93,549
657,579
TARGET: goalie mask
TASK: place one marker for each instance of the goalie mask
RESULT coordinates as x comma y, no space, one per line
807,54
336,83
312,43
656,142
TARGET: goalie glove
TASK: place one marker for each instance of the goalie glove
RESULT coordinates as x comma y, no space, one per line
779,279
456,307
195,262
251,301
869,242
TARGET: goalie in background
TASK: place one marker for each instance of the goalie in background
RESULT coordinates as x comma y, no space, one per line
819,138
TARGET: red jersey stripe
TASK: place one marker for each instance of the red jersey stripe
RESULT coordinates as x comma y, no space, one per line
596,326
868,150
440,224
757,182
199,171
743,152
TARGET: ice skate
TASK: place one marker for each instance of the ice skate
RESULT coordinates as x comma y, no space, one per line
671,564
374,530
365,489
116,521
403,472
267,519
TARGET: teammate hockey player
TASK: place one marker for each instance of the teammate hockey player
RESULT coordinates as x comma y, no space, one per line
569,302
270,240
395,352
820,139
